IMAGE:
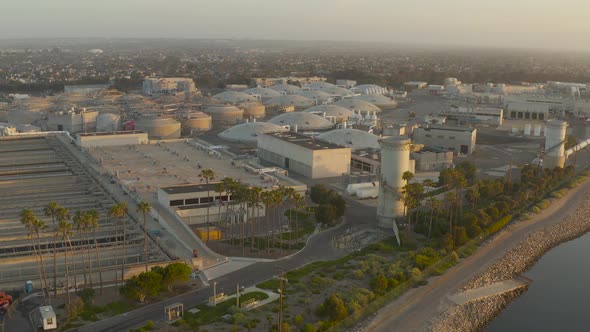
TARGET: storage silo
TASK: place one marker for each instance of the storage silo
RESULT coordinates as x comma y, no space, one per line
196,122
108,122
224,115
555,131
159,127
253,110
395,160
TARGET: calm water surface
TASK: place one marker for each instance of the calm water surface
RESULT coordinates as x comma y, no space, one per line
559,297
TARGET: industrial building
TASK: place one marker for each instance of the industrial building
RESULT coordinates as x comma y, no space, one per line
459,140
304,155
490,116
369,89
347,84
517,110
430,159
414,85
266,82
154,86
74,120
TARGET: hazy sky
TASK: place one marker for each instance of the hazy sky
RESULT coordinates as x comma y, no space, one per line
553,24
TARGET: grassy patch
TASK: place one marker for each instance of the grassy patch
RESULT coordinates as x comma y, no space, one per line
208,315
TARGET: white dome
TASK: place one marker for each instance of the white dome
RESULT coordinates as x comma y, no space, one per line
379,100
353,138
303,120
265,93
318,85
295,100
337,91
358,105
248,132
316,95
286,88
341,113
233,97
369,89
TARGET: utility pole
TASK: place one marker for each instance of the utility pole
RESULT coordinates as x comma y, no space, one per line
281,278
510,174
215,293
238,295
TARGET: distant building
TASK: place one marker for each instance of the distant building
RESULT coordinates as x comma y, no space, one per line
414,85
85,89
115,138
431,159
154,86
347,84
304,155
266,82
73,121
455,139
475,115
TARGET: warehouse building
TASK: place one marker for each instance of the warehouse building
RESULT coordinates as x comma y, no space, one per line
72,121
114,138
304,155
460,140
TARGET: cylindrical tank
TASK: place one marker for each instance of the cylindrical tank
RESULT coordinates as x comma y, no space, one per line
107,122
224,115
159,127
395,160
197,122
253,110
555,131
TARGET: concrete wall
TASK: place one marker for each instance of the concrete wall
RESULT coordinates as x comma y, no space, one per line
73,122
331,163
112,140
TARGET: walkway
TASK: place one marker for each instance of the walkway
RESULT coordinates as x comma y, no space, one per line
490,290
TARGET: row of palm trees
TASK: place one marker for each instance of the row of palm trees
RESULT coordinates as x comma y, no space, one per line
85,223
252,200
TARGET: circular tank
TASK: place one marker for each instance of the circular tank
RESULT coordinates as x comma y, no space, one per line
395,160
197,122
253,110
224,115
159,127
107,122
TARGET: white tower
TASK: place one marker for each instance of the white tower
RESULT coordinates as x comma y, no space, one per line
395,160
554,144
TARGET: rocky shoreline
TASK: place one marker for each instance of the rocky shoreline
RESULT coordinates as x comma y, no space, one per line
474,316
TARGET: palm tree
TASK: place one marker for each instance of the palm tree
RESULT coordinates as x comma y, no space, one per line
31,223
65,232
450,198
120,211
299,201
80,222
63,214
266,198
93,224
407,176
145,208
207,175
434,205
254,202
51,210
277,197
220,188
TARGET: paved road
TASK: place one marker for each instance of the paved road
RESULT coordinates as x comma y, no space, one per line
415,308
319,248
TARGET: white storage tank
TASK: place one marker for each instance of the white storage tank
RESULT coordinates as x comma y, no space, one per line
554,144
159,127
108,122
395,160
